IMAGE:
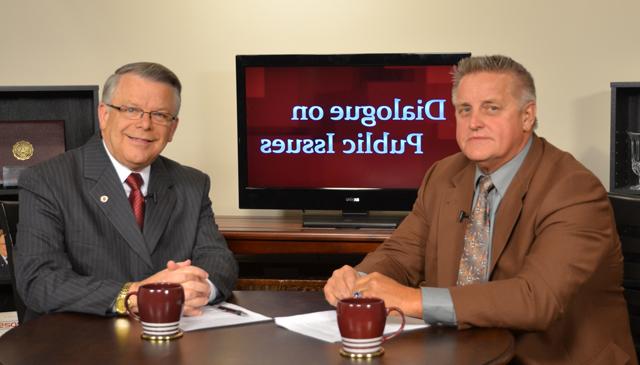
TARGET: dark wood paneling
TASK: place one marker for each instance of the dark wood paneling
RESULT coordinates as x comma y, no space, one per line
280,248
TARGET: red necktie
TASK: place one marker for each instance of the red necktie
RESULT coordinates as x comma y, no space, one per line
135,197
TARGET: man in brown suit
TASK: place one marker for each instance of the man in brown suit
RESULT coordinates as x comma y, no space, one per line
551,269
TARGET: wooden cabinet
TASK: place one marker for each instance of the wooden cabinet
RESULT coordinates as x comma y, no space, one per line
626,209
281,249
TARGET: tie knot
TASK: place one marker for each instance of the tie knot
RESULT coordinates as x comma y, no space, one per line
485,184
134,181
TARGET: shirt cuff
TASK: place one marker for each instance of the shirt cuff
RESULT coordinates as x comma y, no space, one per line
214,291
437,306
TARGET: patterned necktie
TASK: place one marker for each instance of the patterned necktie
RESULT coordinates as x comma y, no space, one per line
135,197
473,263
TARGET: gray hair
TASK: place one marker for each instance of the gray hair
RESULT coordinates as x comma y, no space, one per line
147,70
497,64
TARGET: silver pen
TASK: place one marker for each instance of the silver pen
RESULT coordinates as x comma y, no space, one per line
232,310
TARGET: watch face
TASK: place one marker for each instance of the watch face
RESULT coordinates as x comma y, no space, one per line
120,301
120,308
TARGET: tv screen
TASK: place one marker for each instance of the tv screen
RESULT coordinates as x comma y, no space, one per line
341,132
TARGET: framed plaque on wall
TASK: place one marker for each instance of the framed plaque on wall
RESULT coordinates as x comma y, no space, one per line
24,143
56,118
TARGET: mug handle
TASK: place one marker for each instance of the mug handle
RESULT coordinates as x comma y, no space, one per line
384,338
137,318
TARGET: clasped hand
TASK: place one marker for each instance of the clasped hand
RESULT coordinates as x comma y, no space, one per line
193,280
346,281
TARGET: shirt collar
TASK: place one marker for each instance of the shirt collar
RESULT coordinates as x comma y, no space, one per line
124,172
502,177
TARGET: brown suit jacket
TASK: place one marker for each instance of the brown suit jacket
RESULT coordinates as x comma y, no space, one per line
556,267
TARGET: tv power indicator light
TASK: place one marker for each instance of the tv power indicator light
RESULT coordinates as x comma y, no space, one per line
352,199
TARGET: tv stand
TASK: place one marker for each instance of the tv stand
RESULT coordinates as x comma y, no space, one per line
351,220
279,248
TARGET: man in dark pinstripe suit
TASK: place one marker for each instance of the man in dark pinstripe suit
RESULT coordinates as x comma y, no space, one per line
80,247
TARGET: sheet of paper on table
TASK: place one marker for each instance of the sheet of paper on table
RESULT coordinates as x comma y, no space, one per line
212,317
8,320
324,325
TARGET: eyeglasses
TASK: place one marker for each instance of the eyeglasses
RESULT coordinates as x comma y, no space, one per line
134,113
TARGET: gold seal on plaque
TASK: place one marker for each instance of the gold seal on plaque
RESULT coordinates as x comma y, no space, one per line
22,150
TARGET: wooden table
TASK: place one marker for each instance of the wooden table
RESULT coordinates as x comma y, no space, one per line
84,339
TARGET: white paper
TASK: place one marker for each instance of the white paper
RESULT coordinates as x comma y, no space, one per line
8,320
324,325
214,317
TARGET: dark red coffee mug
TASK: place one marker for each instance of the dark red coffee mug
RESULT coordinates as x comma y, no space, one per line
361,322
159,308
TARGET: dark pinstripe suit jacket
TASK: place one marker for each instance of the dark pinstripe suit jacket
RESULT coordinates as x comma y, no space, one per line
78,242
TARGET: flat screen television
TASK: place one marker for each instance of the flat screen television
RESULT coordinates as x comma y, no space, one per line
342,132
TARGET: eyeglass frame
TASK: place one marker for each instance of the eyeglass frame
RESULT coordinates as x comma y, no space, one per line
163,115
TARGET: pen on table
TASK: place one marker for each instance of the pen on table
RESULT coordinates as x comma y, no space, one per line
231,310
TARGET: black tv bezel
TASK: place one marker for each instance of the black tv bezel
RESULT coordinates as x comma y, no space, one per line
347,199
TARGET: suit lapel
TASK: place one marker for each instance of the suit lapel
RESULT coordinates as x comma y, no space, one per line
511,205
159,205
451,230
109,196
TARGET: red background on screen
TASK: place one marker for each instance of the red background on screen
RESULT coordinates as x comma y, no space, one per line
273,92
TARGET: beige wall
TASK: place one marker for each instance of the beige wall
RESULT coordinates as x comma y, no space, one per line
573,48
